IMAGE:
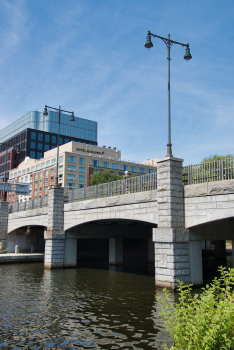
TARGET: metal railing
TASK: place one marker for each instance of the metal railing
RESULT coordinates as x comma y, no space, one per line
28,205
216,170
126,186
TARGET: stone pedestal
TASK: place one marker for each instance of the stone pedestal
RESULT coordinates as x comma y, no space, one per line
54,235
171,239
70,253
115,251
3,223
171,257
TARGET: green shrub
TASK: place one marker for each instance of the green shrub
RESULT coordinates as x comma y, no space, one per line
5,251
201,321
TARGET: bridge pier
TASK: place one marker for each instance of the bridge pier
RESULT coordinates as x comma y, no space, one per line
195,262
3,223
115,251
54,235
70,252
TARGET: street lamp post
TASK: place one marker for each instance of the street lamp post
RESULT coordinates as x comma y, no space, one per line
187,57
59,110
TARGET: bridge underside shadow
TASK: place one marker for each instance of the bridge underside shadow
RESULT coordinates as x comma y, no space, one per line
30,239
116,241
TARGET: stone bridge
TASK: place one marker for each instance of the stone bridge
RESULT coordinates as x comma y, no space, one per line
174,218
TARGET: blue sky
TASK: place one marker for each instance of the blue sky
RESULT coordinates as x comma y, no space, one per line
89,56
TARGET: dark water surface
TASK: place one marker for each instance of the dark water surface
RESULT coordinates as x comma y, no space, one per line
82,308
92,306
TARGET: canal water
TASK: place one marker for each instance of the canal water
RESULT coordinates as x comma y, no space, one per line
92,306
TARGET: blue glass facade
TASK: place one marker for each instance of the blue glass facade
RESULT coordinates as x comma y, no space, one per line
82,129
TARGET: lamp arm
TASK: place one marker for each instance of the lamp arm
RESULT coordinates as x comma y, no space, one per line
166,40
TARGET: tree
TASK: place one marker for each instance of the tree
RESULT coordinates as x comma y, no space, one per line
103,177
215,157
201,321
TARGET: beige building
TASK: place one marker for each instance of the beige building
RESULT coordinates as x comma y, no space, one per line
77,163
151,162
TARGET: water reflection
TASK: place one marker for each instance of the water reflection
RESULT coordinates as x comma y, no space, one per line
81,308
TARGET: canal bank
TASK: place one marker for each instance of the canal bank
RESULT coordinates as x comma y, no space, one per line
8,258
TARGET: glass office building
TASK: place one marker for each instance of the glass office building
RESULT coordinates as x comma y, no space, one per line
33,134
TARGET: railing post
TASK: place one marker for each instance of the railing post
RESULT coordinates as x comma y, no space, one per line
25,206
96,191
124,187
190,175
40,202
84,193
18,207
220,169
109,189
140,184
72,196
33,203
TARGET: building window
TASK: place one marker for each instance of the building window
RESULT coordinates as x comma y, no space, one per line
96,170
41,173
40,136
47,138
35,191
133,168
53,161
51,179
82,169
60,140
47,147
46,188
35,183
23,172
71,159
48,163
37,166
71,177
95,162
141,170
60,159
40,189
115,166
60,168
11,176
39,155
32,168
105,164
53,139
47,172
82,185
82,160
40,146
52,171
71,186
150,171
33,144
28,170
33,135
71,168
46,180
36,175
66,140
26,178
40,182
31,177
81,178
124,167
19,173
42,165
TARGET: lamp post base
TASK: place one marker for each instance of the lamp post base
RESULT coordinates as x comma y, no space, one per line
169,149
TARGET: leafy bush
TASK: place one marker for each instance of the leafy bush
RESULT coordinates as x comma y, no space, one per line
5,251
203,321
